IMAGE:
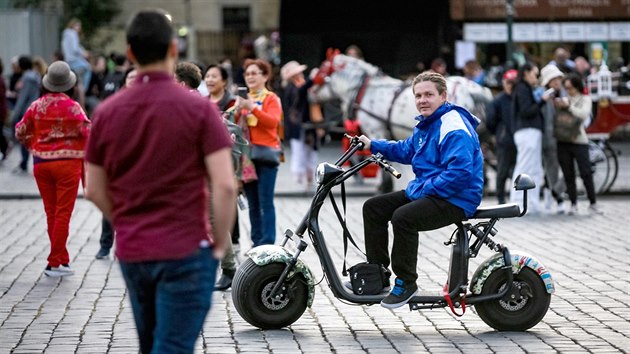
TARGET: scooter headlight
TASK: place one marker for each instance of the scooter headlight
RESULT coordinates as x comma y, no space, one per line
326,172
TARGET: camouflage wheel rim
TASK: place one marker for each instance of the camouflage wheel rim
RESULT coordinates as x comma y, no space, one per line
277,302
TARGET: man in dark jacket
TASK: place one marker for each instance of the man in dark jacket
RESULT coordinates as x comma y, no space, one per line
528,130
28,93
499,123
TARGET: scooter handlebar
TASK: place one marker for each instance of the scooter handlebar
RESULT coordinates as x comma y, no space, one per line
386,166
393,171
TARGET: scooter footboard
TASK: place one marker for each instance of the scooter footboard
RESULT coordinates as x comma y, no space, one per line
519,260
266,254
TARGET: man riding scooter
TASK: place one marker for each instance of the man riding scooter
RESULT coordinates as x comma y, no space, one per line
446,157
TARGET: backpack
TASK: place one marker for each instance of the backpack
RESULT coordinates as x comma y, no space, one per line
112,83
240,144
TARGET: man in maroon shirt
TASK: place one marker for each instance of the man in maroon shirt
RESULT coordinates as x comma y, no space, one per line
152,149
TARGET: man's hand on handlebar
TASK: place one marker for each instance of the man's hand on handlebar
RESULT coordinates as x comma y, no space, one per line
366,141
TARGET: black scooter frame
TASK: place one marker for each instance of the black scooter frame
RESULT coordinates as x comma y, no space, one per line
461,251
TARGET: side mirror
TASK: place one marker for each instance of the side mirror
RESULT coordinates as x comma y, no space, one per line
523,182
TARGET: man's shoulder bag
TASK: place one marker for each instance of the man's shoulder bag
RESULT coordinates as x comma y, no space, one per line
367,278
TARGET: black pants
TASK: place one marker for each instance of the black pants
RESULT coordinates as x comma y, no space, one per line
506,159
4,143
107,234
407,218
236,231
568,155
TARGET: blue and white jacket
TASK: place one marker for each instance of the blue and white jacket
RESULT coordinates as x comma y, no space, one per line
445,155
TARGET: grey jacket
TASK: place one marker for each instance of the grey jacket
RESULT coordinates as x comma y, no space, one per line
29,92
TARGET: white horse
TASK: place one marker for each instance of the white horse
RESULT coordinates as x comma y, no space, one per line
385,105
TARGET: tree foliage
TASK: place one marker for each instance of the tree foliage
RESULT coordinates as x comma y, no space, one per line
93,14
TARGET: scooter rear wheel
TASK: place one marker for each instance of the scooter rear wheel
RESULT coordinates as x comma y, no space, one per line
519,313
251,290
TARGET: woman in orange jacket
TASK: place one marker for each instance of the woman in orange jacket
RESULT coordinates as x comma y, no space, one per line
262,111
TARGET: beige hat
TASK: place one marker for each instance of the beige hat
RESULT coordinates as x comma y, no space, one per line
290,69
549,73
59,77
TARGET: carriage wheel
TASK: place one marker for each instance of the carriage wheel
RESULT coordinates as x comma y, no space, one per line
600,166
613,164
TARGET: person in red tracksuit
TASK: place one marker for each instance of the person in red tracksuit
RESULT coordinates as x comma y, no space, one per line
55,129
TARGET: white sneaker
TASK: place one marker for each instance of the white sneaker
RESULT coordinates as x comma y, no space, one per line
66,269
573,210
560,209
60,271
593,209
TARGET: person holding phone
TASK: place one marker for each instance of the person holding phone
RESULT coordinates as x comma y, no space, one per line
551,79
528,130
262,112
217,79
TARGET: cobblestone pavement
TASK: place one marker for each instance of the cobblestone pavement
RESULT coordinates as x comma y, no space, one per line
588,255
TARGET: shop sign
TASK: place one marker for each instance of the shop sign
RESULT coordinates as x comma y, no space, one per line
596,31
548,32
524,32
541,9
489,32
573,31
619,31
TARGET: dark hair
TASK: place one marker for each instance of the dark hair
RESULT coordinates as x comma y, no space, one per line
189,74
25,62
129,69
224,73
527,67
149,36
576,81
118,59
437,61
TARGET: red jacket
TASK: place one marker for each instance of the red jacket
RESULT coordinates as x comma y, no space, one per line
54,127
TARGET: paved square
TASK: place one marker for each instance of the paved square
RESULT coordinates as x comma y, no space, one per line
588,256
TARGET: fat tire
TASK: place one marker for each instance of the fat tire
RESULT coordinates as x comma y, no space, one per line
250,280
499,318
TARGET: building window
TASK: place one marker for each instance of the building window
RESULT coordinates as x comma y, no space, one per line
236,19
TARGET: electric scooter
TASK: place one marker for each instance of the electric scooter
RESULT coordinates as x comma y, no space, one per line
511,291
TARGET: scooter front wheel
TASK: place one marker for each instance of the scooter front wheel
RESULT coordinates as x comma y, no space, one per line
251,293
522,308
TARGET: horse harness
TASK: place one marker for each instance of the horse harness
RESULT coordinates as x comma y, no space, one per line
355,104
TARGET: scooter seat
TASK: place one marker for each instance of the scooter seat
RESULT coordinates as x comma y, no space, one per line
497,211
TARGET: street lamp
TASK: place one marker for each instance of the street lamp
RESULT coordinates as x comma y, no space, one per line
509,46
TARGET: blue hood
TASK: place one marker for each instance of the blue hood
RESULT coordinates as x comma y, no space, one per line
445,155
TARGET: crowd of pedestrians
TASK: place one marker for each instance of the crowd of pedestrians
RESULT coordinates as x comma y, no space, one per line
524,120
148,135
135,126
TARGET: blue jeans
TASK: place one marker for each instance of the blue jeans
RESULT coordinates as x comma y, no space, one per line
83,70
170,300
262,212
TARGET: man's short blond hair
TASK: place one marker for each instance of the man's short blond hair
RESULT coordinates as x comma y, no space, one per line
438,79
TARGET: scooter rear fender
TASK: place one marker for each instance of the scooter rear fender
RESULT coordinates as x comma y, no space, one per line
520,260
266,254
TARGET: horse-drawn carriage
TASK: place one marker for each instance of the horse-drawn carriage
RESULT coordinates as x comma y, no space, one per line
383,107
